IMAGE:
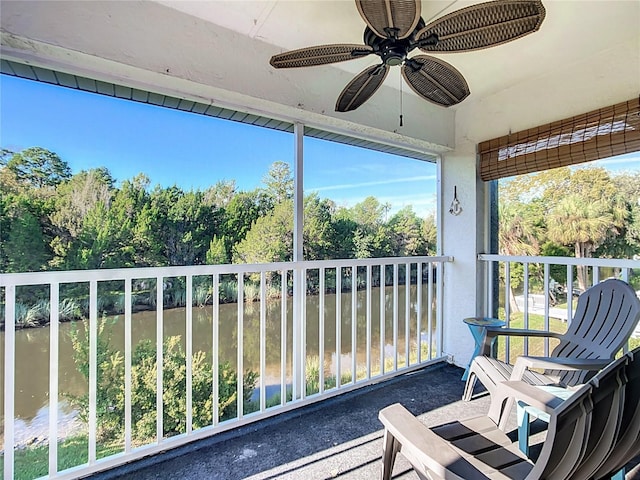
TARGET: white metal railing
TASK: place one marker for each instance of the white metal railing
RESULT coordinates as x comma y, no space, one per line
402,331
525,285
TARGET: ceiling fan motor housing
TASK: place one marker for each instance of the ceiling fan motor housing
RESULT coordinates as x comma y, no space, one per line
392,50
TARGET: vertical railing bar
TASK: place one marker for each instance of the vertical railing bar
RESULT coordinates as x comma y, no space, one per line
507,307
296,352
489,283
127,365
159,358
383,322
321,320
240,351
283,337
54,323
569,289
354,321
407,312
338,324
419,309
93,367
547,298
215,349
368,322
303,333
263,340
596,275
525,273
395,317
624,274
439,311
189,355
9,380
430,311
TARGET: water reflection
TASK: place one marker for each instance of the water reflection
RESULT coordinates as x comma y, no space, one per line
32,345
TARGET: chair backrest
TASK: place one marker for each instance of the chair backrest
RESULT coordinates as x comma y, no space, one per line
605,317
583,427
606,418
627,444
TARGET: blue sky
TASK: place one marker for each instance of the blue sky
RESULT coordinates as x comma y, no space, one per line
194,151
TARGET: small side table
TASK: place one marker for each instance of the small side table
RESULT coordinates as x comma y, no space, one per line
478,325
525,411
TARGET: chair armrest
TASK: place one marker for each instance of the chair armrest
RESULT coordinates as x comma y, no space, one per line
492,332
531,395
422,447
557,363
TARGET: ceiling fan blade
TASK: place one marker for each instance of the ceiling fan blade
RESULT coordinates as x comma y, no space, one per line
483,25
390,18
435,80
360,89
319,55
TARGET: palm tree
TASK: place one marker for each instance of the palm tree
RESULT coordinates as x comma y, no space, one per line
585,224
516,236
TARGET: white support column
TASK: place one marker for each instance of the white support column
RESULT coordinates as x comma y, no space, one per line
299,290
463,237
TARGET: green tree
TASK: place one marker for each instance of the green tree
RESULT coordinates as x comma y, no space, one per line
516,236
73,201
183,225
221,193
5,156
627,243
407,239
371,237
240,214
343,226
583,224
517,230
110,395
217,253
25,247
270,238
39,167
318,228
581,208
430,234
279,182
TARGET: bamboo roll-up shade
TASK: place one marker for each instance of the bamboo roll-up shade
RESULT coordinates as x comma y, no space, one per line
591,136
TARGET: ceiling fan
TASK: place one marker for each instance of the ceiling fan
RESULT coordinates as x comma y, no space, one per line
395,28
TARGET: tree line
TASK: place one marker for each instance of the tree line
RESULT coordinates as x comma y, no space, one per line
54,219
585,212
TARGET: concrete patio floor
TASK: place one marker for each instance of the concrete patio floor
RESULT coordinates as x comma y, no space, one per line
338,438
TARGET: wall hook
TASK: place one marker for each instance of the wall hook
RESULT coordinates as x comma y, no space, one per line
455,208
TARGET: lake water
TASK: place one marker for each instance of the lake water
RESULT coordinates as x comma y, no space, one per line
32,345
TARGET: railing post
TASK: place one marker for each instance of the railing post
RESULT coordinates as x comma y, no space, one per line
298,351
159,357
299,287
9,378
93,369
439,312
54,306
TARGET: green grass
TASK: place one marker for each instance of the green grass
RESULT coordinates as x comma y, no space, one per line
33,462
536,345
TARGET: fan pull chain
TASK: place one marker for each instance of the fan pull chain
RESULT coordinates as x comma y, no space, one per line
400,100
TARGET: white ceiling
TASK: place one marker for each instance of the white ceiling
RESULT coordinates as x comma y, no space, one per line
571,33
586,55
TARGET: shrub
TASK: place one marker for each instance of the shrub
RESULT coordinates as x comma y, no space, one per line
110,387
